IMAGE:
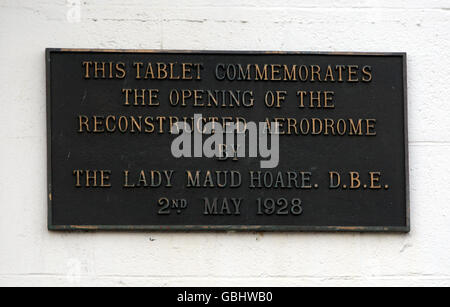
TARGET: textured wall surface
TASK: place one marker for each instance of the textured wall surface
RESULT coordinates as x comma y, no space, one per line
30,255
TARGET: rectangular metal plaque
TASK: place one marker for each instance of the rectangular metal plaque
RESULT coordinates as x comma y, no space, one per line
338,121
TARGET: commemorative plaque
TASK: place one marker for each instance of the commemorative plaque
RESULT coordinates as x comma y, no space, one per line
227,141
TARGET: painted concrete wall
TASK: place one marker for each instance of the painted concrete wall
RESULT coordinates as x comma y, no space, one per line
30,255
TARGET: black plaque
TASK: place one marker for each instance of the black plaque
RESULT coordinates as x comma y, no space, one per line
107,156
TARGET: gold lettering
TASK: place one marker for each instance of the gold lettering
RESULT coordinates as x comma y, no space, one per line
302,95
172,69
290,75
276,71
149,74
104,179
83,122
328,100
315,72
187,71
87,66
340,69
352,72
370,126
78,174
374,179
91,176
355,130
127,95
355,183
98,69
261,75
162,71
120,67
329,74
138,66
367,71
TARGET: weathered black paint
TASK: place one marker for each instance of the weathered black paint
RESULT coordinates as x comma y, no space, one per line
69,95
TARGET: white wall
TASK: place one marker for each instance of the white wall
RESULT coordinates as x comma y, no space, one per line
30,255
